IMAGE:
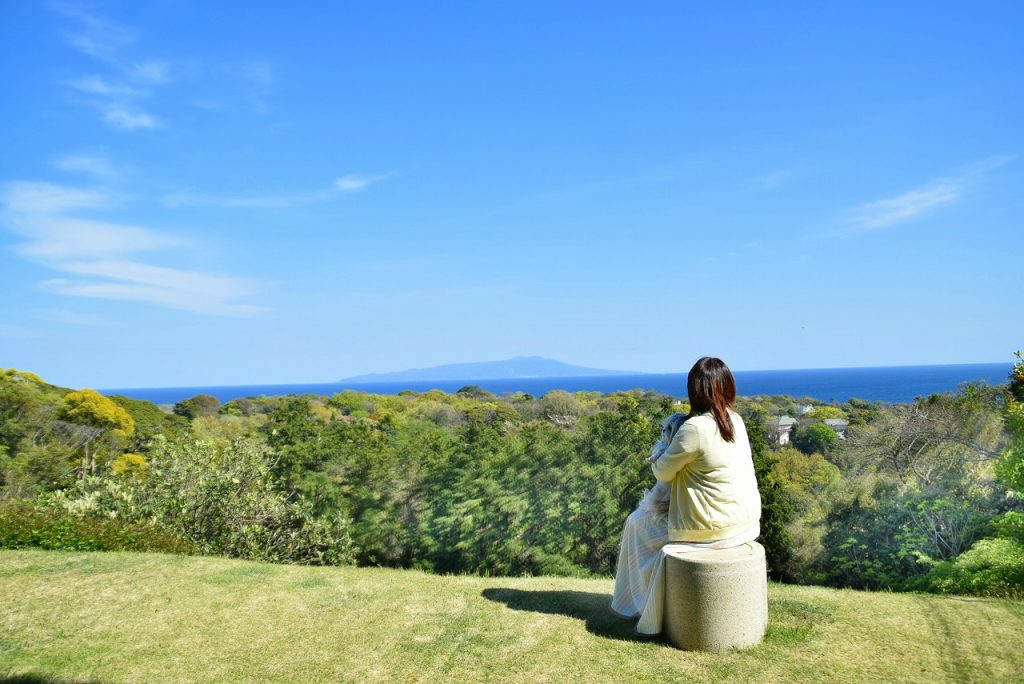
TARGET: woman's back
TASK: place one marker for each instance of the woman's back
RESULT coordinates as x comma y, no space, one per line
714,490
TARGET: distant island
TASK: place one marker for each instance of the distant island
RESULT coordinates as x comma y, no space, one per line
519,367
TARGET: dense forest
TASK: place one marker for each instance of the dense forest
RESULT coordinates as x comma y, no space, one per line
922,496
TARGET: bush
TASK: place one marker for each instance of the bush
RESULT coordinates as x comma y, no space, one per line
28,525
992,567
222,500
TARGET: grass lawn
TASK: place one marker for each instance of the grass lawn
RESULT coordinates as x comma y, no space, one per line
120,617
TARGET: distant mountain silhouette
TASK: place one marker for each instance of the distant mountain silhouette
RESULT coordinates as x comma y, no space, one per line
519,367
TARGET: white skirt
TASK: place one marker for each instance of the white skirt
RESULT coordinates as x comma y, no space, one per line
640,573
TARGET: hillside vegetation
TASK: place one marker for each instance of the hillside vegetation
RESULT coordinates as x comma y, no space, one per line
928,495
121,617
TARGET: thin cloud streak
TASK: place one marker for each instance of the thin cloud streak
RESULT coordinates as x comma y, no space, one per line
342,185
354,182
104,40
97,85
886,212
94,37
919,201
127,118
100,252
154,72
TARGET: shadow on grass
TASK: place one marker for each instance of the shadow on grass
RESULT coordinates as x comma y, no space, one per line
592,609
943,622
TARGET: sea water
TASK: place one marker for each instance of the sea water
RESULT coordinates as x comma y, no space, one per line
890,384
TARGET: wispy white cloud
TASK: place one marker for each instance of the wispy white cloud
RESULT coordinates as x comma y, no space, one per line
353,182
153,72
93,165
886,212
169,287
128,118
117,98
922,200
24,199
97,85
103,256
349,183
98,38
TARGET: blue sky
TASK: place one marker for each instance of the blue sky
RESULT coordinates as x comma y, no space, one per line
239,193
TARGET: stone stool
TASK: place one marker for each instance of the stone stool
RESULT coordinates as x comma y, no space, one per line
716,600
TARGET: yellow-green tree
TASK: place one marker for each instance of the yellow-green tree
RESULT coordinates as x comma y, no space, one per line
90,415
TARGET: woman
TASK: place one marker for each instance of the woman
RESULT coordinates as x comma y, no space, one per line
713,500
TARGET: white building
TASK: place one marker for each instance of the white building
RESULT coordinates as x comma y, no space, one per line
838,426
778,429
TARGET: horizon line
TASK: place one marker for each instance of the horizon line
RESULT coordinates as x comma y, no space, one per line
1009,364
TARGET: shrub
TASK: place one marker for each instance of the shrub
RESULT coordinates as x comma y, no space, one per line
992,567
26,525
222,500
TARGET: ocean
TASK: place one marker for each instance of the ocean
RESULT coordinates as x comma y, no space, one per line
895,384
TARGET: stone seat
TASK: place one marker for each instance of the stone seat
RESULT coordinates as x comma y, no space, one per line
716,600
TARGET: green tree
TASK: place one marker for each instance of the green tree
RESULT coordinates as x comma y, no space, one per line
816,438
199,405
776,509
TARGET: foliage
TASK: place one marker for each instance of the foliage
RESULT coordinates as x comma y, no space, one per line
221,500
472,482
992,567
1010,468
870,542
809,483
1016,378
825,412
776,506
130,465
224,501
199,405
26,525
816,438
151,420
89,407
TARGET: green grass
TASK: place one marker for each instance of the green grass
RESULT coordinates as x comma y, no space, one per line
123,617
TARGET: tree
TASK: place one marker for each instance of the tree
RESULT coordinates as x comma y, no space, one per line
89,407
776,509
823,412
474,392
1010,467
816,438
561,408
91,415
199,405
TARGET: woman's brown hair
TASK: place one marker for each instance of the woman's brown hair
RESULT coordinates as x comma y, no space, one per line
712,388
